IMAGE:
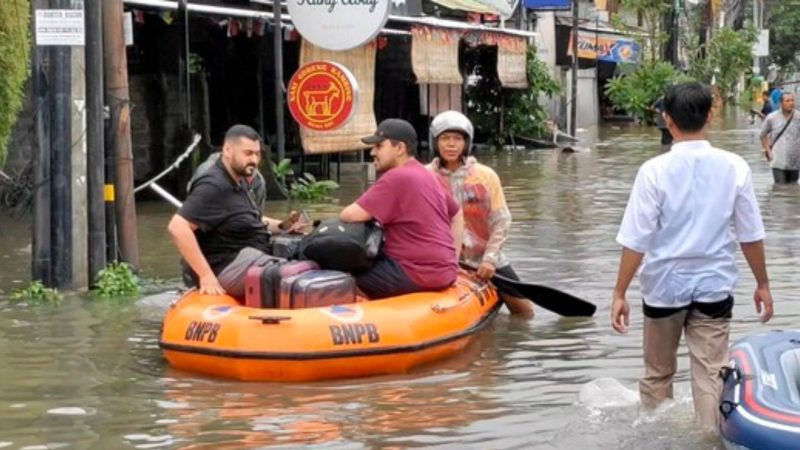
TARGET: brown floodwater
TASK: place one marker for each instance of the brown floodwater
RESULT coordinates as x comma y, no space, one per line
87,373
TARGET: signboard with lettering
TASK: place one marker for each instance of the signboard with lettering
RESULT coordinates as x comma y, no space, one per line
605,47
59,27
547,4
322,95
338,24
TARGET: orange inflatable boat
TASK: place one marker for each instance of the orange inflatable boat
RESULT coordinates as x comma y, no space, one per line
215,335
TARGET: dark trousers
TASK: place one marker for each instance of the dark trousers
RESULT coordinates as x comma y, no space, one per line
385,279
666,137
784,176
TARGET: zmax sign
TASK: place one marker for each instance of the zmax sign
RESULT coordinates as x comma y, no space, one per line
547,4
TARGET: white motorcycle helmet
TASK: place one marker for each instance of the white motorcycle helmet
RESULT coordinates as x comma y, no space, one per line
452,121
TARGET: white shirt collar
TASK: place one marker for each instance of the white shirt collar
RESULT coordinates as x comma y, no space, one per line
689,146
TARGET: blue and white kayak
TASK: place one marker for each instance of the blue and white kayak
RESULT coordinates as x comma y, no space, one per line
761,396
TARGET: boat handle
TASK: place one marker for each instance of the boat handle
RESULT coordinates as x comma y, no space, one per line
727,407
270,320
463,299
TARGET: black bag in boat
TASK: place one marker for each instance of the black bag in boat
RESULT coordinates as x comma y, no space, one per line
347,247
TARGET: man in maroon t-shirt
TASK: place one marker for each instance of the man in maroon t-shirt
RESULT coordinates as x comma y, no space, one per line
421,222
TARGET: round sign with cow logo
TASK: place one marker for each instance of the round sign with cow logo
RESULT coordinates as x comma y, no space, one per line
322,95
338,25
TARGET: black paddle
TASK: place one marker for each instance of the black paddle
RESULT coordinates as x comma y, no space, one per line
548,298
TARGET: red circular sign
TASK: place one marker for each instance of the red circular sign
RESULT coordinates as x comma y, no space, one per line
322,95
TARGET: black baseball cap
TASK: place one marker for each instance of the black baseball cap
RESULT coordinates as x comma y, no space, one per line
396,129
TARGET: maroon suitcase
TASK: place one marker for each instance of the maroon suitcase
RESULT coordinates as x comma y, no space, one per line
262,283
317,288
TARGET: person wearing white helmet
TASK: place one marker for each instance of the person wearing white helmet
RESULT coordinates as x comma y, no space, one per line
477,189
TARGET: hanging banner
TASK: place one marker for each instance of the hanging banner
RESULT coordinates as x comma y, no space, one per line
545,5
335,25
322,95
434,55
605,47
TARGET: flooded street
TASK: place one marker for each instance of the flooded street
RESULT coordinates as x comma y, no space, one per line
88,373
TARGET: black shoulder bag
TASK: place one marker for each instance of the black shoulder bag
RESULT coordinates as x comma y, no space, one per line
780,133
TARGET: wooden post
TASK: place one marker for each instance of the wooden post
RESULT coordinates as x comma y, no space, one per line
118,100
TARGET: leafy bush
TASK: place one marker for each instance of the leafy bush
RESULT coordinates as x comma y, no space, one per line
117,280
497,112
638,88
36,291
308,187
283,169
14,44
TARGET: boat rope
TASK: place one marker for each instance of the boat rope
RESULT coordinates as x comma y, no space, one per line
173,166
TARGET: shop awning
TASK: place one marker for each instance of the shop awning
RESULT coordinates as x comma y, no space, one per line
466,5
497,7
171,5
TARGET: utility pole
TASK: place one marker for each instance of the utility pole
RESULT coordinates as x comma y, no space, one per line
277,30
60,161
758,24
41,249
118,100
574,94
77,157
95,160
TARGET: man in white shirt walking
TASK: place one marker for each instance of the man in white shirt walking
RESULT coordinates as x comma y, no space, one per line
687,209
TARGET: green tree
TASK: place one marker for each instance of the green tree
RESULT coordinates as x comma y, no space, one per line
725,56
783,22
14,46
651,13
639,87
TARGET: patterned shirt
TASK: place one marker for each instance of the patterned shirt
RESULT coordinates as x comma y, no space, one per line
786,151
487,220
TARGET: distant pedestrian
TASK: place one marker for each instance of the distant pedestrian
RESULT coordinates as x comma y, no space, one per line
780,141
658,107
775,95
767,108
687,209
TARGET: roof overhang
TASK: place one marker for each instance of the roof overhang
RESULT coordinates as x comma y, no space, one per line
250,13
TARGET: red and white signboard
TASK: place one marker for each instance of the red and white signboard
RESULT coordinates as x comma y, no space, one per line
322,95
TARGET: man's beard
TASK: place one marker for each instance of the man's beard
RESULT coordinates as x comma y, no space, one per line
245,171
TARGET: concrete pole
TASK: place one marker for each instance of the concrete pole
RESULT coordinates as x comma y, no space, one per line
573,114
41,248
61,161
118,100
78,160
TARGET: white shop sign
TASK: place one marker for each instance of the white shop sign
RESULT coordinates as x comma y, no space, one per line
59,27
338,24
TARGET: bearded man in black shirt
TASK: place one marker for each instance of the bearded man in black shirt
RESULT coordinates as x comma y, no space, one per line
219,230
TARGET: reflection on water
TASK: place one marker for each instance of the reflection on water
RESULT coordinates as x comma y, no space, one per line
87,373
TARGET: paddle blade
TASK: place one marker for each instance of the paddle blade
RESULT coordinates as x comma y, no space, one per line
549,298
